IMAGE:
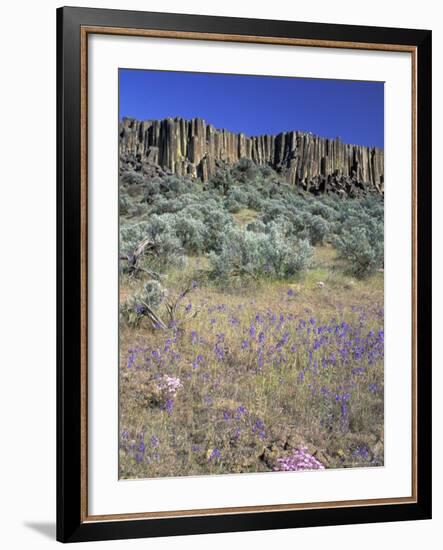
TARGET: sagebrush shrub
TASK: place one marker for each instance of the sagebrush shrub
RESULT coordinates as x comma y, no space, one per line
132,178
166,248
184,216
191,232
239,254
270,253
135,308
284,255
317,228
363,248
245,170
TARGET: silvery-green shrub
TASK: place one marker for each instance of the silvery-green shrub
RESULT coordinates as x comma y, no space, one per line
239,254
284,256
135,308
270,253
191,232
317,228
166,248
363,248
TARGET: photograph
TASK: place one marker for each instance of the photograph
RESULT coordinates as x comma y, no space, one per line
228,209
251,274
243,273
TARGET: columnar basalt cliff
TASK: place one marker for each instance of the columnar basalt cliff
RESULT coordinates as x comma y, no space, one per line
197,149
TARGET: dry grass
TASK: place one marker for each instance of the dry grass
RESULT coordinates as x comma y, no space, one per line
245,216
263,367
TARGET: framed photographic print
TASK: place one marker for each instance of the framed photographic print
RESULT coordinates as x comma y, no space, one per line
244,274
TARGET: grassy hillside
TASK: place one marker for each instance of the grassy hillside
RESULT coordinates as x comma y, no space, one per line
252,321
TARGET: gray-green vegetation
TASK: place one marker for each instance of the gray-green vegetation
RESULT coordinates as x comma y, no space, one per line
251,330
184,217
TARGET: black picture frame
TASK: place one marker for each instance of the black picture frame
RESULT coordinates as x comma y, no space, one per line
71,523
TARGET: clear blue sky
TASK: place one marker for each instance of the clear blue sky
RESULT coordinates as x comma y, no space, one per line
351,110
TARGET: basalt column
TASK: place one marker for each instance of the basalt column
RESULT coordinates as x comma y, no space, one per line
195,148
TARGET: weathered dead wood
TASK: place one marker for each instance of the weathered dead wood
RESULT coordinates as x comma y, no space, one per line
172,304
143,247
154,318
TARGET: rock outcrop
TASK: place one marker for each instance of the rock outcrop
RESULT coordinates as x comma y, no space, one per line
197,149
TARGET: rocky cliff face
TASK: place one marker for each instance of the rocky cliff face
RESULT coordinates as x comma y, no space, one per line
197,149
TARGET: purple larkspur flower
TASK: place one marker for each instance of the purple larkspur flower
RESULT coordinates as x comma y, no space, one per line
169,406
343,399
154,441
260,360
284,340
131,360
219,352
361,452
139,309
358,370
215,454
168,344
